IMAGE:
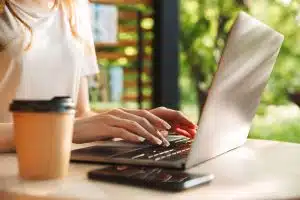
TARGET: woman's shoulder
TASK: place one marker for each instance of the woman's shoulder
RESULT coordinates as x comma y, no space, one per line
9,28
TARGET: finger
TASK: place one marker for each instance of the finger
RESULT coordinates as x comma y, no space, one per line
153,119
183,120
164,133
194,126
191,131
163,139
183,133
142,121
126,135
174,116
134,127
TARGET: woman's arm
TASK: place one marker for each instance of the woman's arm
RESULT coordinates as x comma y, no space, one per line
83,104
6,138
9,81
118,123
130,125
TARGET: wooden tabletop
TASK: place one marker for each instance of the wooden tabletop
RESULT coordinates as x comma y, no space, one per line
258,170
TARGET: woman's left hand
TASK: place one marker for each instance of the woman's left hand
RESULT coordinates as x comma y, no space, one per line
179,122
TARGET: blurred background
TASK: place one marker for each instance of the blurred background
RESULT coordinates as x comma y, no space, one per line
124,36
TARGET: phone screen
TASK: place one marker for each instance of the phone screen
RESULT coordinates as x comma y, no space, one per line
158,178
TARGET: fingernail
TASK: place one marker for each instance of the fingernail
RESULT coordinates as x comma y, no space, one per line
141,139
158,141
167,126
164,140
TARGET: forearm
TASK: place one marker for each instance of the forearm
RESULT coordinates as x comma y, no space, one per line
6,137
83,115
82,125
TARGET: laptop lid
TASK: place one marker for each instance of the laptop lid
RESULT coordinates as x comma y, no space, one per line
244,69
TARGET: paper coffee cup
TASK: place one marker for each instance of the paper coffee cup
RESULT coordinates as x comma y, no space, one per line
43,136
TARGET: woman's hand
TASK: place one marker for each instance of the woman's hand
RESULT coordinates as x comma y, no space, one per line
130,125
180,123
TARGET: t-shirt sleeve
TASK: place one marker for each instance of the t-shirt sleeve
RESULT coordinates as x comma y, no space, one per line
85,31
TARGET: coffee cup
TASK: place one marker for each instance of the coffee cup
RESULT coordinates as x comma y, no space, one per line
43,136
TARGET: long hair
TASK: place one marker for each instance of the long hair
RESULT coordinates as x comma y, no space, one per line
67,4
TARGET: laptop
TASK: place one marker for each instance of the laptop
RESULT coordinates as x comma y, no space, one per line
243,72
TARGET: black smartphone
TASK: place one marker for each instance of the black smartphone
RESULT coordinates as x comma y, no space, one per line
155,178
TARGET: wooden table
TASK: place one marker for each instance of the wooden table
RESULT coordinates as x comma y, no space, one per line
258,170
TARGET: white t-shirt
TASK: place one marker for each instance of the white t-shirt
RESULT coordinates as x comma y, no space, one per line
54,63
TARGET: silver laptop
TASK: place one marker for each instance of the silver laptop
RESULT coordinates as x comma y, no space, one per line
244,69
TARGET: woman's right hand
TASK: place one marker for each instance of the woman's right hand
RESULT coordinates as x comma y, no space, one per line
130,125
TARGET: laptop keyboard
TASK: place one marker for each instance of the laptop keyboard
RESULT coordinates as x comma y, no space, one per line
178,149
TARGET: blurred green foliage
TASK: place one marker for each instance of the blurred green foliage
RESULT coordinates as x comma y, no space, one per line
284,16
287,131
204,28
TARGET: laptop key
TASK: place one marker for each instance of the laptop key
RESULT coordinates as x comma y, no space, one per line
168,155
159,153
157,159
138,156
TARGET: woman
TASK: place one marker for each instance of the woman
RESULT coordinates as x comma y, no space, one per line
46,50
